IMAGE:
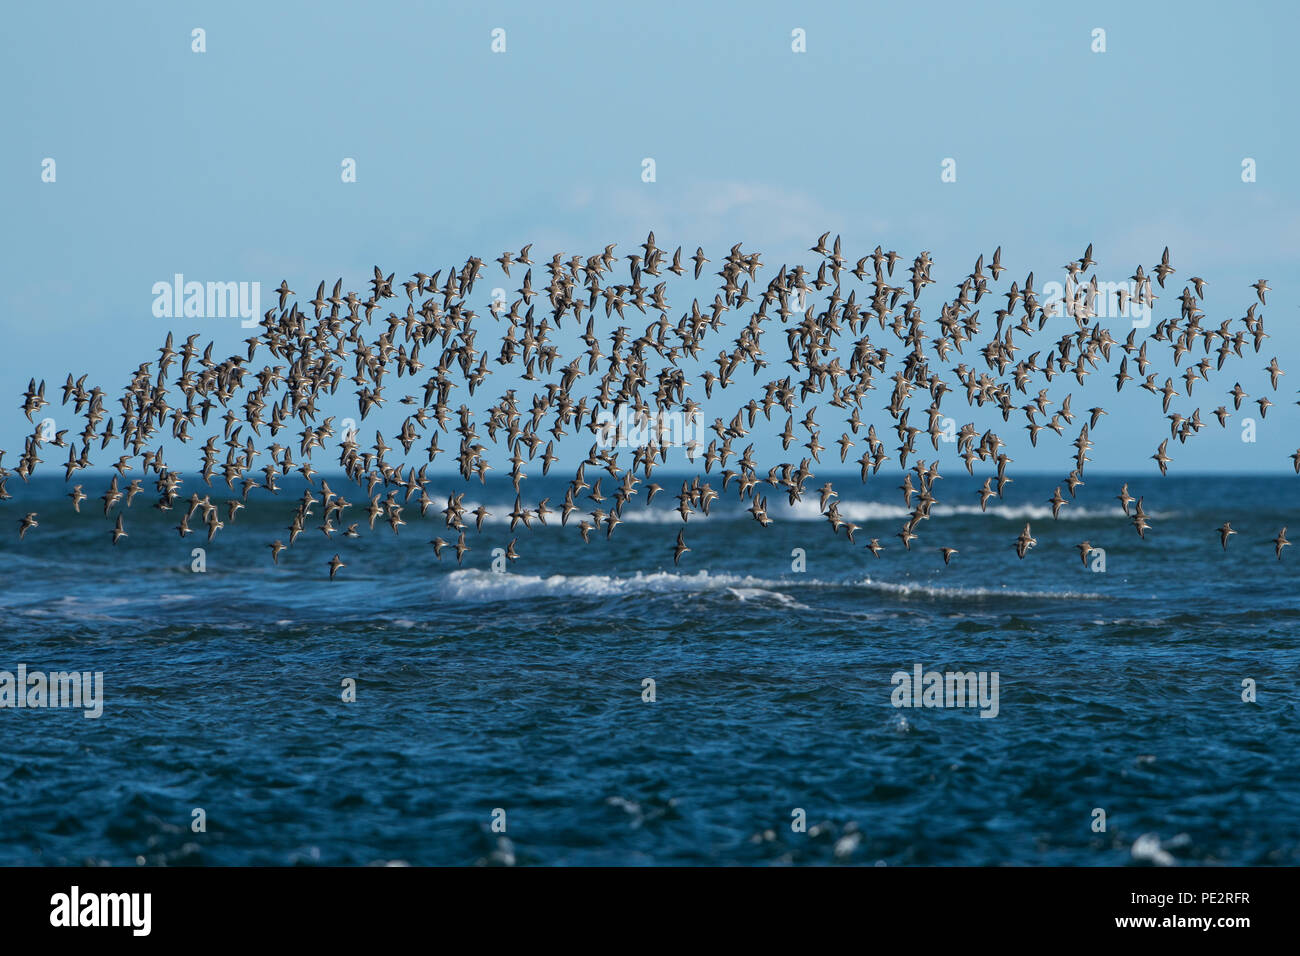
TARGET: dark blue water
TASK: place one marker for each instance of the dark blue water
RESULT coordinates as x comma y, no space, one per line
1119,690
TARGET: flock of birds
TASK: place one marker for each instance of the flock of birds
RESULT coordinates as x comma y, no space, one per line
342,338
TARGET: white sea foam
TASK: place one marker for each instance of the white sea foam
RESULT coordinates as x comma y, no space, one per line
911,589
756,594
807,509
473,585
862,511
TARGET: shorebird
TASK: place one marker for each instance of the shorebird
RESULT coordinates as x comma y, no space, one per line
334,564
1161,458
1056,501
1024,542
1224,533
837,335
1124,498
1280,542
1164,269
680,548
1274,371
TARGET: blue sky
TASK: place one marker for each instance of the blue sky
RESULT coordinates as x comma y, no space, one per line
225,165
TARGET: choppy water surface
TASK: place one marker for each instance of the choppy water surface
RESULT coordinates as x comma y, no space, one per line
1119,690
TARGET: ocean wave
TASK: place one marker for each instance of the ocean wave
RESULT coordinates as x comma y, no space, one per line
861,511
634,512
808,509
754,594
474,585
910,589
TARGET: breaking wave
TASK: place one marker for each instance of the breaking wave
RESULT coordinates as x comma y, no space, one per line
473,585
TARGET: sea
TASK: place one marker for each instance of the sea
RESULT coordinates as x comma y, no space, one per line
596,703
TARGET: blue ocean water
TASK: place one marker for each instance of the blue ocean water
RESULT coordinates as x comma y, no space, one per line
1120,690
